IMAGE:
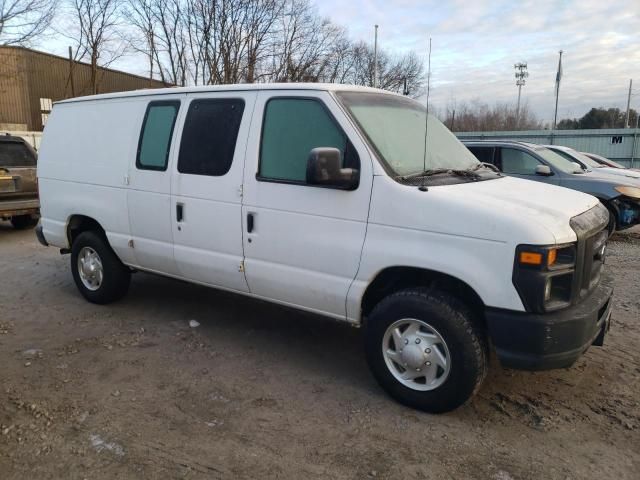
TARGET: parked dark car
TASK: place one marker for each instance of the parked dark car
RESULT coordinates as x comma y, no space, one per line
619,193
18,183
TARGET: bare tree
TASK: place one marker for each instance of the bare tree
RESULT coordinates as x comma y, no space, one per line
478,116
233,41
96,35
23,20
141,15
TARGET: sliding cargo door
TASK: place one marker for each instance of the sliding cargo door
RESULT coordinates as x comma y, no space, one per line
206,190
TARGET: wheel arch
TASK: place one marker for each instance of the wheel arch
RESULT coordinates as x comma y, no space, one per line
392,279
78,223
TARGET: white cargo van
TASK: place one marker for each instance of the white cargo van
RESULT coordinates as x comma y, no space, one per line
338,200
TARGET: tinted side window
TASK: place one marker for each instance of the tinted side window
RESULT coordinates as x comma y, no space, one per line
209,136
16,154
292,127
483,154
155,138
518,162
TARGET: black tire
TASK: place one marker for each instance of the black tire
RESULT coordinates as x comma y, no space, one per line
116,276
454,322
20,222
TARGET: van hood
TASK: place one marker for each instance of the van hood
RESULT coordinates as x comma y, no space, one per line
549,206
506,209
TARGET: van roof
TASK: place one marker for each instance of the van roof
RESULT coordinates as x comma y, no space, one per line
228,88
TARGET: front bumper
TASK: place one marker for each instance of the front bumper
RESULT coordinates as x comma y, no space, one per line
530,341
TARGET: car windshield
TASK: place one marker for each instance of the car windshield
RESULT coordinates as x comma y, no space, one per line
558,161
605,162
395,127
575,156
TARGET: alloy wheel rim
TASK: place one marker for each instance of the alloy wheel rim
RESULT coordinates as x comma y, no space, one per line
90,268
416,354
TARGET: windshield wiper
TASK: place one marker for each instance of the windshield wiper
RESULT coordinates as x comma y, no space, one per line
490,166
439,171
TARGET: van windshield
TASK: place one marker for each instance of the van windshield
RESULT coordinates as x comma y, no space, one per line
395,127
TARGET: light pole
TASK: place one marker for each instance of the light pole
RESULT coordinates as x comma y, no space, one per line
521,74
626,121
558,79
375,59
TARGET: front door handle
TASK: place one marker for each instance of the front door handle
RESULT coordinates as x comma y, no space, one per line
250,222
179,212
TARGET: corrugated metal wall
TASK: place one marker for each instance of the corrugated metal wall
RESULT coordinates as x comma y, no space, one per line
26,76
619,144
14,101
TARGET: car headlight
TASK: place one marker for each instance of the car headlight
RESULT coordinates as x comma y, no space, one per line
627,191
543,275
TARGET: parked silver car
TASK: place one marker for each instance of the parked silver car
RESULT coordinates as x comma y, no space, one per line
607,162
589,164
620,194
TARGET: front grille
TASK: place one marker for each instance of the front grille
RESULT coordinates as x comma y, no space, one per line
593,261
590,228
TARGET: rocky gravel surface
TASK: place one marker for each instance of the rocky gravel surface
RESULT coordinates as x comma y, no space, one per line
181,381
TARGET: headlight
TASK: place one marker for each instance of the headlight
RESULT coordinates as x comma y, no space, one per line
631,192
543,275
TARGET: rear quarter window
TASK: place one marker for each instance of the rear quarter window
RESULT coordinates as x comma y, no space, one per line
16,154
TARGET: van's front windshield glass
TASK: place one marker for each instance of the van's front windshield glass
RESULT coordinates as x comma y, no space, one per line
395,127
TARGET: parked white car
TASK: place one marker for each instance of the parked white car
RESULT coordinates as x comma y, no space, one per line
324,198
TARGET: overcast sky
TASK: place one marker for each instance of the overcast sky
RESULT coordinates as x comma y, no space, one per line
477,42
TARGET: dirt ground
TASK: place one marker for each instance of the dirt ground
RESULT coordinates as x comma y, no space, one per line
257,391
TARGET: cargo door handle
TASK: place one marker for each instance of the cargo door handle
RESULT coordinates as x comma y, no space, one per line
179,212
250,222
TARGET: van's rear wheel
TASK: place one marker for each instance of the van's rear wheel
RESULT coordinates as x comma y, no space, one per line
424,349
97,271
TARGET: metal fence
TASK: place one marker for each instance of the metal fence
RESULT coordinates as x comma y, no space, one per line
619,144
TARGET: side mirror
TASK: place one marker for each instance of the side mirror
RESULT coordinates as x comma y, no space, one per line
324,167
578,168
543,170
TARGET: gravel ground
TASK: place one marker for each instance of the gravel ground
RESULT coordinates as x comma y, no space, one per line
130,390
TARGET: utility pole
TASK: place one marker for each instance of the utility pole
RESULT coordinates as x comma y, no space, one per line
73,89
626,121
375,59
558,78
521,74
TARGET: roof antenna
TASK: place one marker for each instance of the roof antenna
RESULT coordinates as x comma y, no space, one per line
423,187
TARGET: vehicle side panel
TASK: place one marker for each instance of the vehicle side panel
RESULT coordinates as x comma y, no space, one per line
83,167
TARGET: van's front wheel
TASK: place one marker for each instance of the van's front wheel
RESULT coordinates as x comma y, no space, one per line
424,349
97,271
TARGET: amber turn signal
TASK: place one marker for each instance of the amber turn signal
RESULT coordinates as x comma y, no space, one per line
531,258
552,256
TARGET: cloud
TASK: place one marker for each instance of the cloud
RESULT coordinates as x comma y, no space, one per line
475,45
